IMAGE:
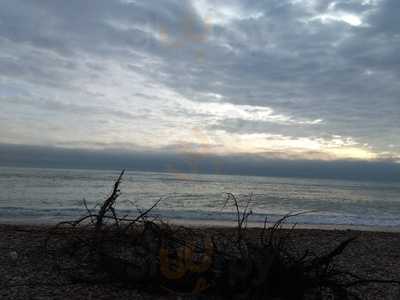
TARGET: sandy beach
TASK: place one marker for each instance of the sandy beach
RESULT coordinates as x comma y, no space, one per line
26,272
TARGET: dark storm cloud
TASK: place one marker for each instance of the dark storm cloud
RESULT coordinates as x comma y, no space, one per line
343,74
386,19
301,58
167,161
73,26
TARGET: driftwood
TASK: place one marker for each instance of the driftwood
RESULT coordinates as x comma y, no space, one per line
149,254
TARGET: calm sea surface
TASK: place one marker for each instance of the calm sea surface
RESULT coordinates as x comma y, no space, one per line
50,195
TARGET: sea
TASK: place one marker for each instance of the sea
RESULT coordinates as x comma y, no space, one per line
47,196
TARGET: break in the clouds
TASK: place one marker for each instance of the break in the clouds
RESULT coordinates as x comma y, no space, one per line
287,78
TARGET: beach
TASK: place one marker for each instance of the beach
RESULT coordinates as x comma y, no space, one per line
27,272
200,149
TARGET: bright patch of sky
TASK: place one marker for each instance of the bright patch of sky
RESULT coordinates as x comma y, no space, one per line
300,79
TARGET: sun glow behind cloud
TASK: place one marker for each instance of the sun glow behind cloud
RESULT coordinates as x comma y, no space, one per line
282,146
201,141
350,19
175,122
213,76
223,111
223,13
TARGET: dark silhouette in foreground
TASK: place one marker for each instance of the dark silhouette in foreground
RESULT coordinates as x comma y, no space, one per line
145,253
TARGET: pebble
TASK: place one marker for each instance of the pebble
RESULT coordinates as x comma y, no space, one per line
13,256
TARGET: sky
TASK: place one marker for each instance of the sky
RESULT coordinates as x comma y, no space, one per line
311,80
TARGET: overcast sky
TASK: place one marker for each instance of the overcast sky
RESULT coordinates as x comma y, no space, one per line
284,79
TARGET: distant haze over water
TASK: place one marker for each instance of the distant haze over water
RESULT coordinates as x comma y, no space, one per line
50,195
204,163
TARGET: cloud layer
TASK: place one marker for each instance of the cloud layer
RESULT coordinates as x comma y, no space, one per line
170,161
295,79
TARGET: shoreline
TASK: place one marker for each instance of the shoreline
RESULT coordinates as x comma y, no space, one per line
255,225
220,224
